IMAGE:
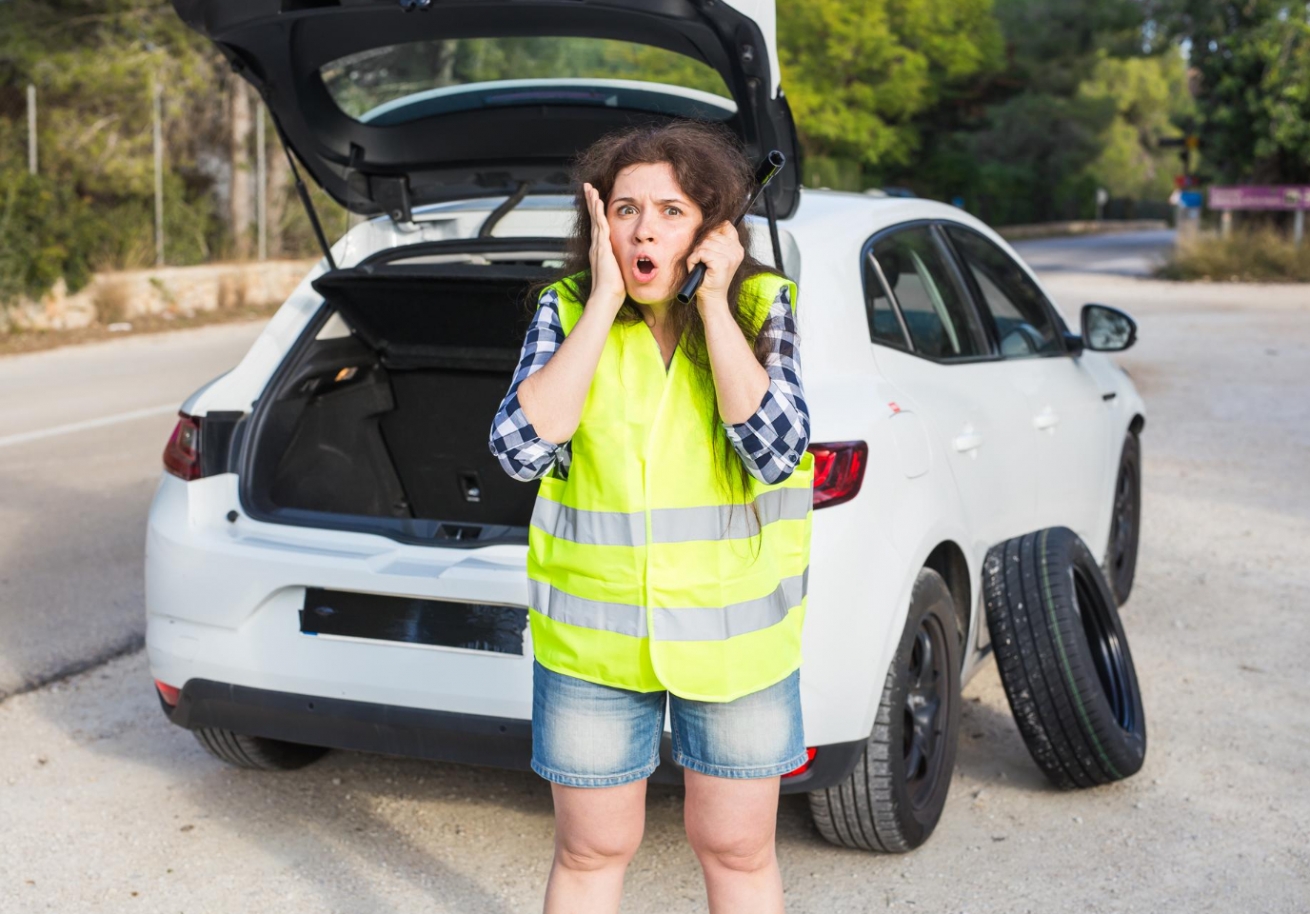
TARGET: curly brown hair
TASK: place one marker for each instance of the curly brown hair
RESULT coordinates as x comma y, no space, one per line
712,169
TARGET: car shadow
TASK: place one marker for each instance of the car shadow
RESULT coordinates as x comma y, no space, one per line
991,749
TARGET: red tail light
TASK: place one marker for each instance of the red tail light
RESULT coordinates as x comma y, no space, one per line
838,471
182,453
809,757
168,693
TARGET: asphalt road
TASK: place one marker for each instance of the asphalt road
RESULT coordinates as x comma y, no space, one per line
108,807
82,430
1122,254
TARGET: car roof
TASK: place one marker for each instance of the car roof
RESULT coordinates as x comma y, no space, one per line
823,206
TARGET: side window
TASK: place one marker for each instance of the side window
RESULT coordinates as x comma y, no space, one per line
931,303
883,325
1015,304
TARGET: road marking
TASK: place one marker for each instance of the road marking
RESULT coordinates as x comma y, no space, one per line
85,424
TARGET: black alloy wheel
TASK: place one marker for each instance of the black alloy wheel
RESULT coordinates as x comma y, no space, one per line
893,799
1125,522
924,712
1109,650
1064,659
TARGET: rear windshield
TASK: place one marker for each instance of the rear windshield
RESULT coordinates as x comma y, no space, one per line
403,82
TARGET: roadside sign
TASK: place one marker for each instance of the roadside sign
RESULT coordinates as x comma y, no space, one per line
1192,199
1294,197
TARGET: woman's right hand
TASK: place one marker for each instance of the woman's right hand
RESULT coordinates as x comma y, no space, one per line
607,285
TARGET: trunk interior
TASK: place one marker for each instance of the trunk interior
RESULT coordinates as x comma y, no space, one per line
384,427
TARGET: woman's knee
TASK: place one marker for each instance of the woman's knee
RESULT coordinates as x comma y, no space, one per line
731,846
596,828
583,855
731,823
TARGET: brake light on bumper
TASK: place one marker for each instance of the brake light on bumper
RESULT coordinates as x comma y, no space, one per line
805,765
182,453
168,693
838,471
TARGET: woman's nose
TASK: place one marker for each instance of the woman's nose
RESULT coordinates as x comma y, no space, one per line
643,229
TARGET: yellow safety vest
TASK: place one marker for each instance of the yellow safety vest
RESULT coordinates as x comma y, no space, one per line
644,573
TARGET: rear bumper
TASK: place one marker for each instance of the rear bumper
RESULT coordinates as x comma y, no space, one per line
445,736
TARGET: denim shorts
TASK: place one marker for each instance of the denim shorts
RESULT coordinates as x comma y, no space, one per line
590,735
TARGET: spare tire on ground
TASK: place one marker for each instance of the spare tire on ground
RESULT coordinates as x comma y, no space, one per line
1064,659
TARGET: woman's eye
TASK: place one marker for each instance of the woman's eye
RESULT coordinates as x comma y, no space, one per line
672,211
626,209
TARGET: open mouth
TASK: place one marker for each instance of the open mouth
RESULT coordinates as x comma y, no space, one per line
644,268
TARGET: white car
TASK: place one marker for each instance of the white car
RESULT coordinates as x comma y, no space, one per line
334,557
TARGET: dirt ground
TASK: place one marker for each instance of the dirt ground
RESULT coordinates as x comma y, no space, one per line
107,807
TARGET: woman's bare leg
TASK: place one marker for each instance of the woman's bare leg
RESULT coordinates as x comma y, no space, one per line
597,833
731,824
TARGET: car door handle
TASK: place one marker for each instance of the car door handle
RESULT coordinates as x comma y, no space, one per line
967,440
1046,419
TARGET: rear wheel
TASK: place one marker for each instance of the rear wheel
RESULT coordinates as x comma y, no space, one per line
1125,523
892,800
257,752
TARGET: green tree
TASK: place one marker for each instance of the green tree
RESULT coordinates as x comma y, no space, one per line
94,63
1150,98
1252,62
858,74
1081,103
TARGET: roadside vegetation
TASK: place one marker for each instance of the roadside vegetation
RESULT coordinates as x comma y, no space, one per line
26,340
1258,255
1017,110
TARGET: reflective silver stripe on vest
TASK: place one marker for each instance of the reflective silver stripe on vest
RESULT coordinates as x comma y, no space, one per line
695,624
714,522
623,618
669,525
710,624
592,528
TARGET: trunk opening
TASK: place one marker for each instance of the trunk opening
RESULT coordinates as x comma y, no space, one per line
380,423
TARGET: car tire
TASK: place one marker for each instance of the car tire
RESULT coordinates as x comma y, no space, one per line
893,799
257,752
1126,520
1064,659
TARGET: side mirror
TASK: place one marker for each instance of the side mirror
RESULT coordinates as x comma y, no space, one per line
1107,329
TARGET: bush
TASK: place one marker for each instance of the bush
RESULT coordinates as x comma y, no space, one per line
46,231
49,230
1262,255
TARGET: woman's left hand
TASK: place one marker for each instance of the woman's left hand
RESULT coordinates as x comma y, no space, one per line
722,253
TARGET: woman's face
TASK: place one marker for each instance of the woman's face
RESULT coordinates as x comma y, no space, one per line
652,223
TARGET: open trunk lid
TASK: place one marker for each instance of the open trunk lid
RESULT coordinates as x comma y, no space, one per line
393,104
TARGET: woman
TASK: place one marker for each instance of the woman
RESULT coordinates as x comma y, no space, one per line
670,538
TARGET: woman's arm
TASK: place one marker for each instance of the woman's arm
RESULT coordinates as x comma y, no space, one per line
739,380
762,407
514,441
553,397
773,439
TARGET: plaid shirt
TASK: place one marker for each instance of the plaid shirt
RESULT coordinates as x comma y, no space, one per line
770,443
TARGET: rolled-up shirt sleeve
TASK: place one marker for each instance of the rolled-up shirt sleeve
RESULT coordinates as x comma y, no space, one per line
522,453
771,442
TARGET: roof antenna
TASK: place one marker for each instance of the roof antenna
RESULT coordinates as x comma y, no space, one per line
303,192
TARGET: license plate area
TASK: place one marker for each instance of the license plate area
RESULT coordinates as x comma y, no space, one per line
407,620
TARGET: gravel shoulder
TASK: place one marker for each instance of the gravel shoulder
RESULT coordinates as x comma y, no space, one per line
107,807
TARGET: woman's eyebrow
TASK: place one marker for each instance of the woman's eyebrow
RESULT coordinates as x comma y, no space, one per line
677,200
